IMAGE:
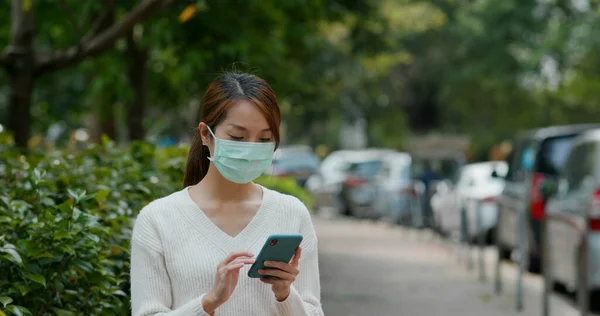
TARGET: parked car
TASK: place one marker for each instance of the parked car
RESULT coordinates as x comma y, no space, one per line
474,185
578,190
299,162
549,147
326,184
360,187
398,200
484,199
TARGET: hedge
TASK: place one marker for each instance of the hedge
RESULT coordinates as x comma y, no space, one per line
66,219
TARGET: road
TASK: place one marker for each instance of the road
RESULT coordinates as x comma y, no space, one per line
371,269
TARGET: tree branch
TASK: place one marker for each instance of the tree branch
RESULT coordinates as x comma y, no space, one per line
101,42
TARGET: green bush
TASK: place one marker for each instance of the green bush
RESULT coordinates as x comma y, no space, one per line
65,224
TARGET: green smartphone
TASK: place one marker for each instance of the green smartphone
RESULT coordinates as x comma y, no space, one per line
276,248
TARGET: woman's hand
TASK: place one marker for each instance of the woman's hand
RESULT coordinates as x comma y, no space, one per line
228,272
285,274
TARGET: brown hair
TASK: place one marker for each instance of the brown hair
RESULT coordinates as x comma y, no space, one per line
219,97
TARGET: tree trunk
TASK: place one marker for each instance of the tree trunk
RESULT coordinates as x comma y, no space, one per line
21,72
107,118
137,59
19,111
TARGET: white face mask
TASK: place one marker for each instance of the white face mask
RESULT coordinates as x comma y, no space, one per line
241,162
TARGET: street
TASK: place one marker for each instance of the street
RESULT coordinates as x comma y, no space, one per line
369,268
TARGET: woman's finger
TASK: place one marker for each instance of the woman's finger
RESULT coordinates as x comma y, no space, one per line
234,267
245,260
232,256
288,267
296,257
275,282
277,273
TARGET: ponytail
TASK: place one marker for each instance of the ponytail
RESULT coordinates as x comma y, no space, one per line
197,162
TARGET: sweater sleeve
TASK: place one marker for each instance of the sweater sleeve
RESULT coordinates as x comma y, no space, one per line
150,283
305,294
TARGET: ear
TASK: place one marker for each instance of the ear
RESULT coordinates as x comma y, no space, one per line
204,133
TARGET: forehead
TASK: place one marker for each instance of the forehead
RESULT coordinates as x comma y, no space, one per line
246,114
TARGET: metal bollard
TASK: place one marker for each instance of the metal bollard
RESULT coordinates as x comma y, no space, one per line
464,238
480,240
583,289
545,252
523,255
498,265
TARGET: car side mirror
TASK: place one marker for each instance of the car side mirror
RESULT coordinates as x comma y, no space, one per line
496,175
549,188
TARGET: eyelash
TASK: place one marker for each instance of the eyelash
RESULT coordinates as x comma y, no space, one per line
238,138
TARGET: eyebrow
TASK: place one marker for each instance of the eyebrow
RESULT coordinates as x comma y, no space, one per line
241,128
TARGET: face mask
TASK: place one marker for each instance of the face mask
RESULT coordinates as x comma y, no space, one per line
241,162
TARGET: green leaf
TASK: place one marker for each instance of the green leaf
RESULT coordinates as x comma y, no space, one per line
101,196
43,255
47,201
22,287
5,219
94,238
144,189
14,310
73,194
38,278
68,249
62,312
76,213
5,300
120,293
18,310
64,207
62,235
12,254
85,266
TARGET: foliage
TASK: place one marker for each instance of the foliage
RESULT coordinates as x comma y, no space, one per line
66,219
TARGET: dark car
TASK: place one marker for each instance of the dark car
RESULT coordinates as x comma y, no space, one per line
550,147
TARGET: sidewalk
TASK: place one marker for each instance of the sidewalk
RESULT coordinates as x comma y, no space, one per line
370,269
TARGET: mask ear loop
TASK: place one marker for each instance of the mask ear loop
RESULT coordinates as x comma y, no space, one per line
215,137
272,179
211,132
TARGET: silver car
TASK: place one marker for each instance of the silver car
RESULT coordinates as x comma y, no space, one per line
398,199
475,186
326,186
578,191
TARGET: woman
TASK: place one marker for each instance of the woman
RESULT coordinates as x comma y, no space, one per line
191,250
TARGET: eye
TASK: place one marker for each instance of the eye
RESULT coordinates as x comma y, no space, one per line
236,138
266,140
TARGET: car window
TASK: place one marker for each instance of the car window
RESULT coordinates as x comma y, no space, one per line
365,169
384,171
553,154
579,166
299,161
515,169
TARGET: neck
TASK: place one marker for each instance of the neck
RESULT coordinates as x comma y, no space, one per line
219,188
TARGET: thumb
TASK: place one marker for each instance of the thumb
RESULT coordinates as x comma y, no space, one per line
296,257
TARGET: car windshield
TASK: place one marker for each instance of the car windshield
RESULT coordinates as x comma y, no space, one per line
299,161
366,169
553,154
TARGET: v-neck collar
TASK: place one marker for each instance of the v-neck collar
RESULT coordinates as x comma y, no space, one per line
204,225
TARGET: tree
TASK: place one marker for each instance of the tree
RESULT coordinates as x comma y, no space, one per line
25,64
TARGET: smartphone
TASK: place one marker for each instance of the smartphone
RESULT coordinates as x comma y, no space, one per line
276,248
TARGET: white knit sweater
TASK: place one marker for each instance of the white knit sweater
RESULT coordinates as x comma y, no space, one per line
175,249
